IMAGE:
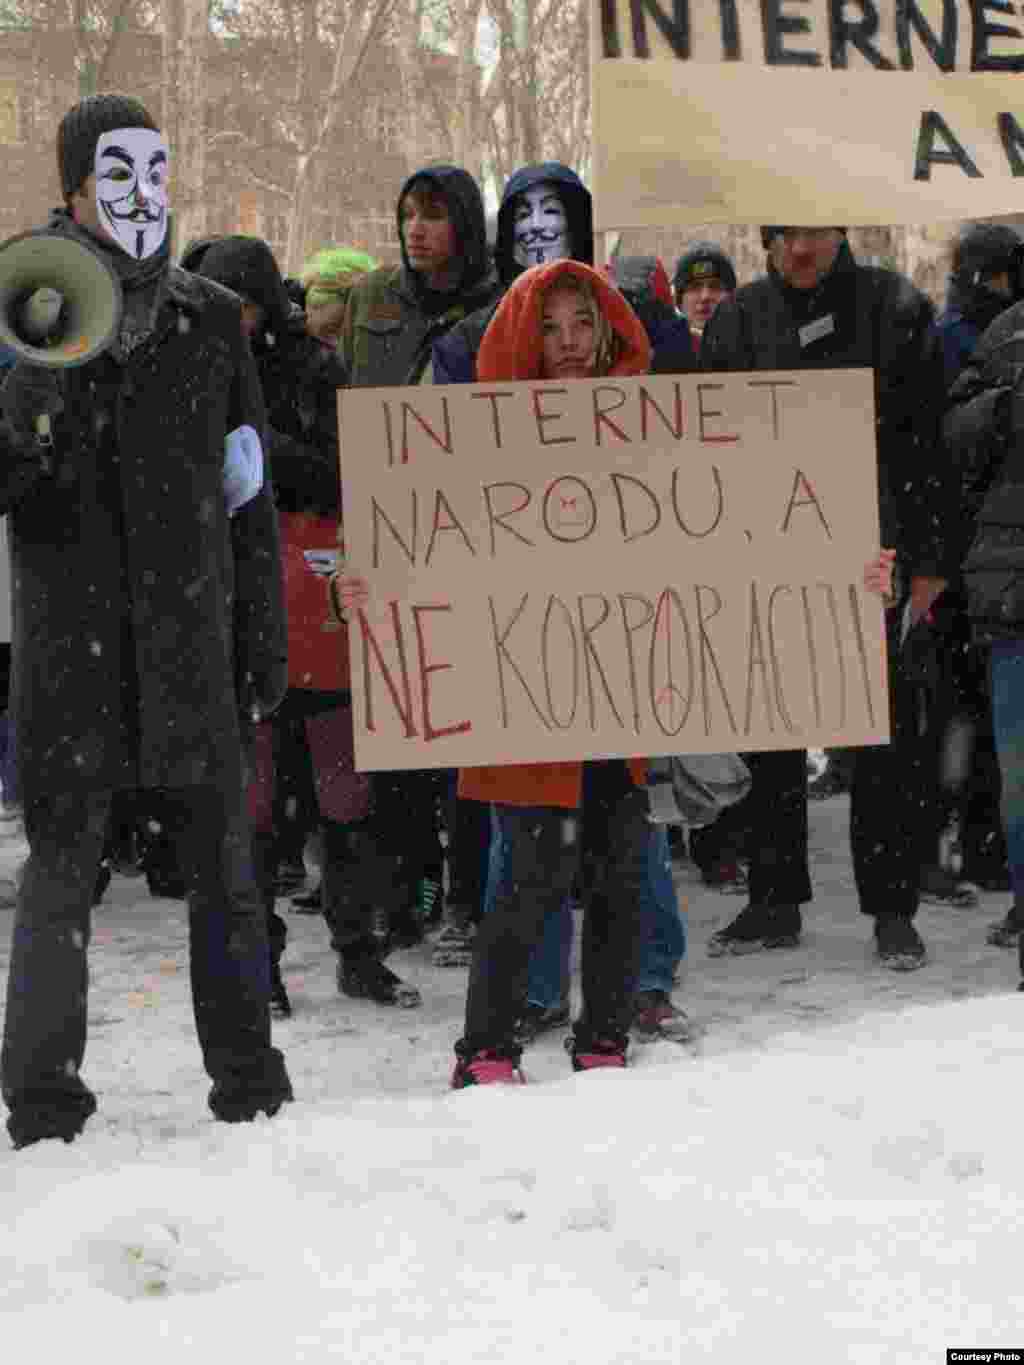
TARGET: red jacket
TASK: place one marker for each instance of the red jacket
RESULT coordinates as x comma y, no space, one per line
511,349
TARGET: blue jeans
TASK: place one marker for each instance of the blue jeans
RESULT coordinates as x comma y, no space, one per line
663,928
1006,665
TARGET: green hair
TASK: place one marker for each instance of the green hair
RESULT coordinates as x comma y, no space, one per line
335,269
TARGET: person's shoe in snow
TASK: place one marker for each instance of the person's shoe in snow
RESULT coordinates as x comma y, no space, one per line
309,902
65,1120
757,927
362,976
538,1019
656,1017
241,1103
898,945
1005,933
453,946
280,1005
486,1067
593,1054
939,887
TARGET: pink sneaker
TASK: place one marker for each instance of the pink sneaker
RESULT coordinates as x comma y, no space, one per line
598,1053
486,1068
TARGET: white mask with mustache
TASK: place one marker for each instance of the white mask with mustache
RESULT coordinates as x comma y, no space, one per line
132,170
540,227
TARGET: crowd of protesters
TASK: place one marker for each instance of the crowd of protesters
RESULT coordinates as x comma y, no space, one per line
179,698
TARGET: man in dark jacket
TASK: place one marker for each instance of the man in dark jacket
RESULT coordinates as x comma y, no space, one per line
300,380
374,870
984,280
984,429
149,627
816,310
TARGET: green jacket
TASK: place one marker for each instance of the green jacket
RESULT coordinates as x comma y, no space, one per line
387,338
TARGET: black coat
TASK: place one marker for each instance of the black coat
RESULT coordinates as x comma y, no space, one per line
881,322
984,429
145,621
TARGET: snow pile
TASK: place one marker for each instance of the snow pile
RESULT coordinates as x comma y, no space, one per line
851,1194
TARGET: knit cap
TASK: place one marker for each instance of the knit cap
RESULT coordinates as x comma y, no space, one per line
82,127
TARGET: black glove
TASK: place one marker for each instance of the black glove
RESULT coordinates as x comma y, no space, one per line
30,393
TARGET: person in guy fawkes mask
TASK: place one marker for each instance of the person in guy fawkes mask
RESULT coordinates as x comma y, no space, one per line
388,869
302,765
985,280
149,628
817,309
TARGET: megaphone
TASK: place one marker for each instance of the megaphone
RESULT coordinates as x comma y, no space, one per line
60,302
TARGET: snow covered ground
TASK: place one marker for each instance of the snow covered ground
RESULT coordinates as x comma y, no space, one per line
832,1174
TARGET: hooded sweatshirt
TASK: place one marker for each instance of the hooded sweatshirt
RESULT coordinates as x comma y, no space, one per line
393,316
247,267
511,350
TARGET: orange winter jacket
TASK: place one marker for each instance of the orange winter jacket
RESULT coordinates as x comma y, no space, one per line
511,349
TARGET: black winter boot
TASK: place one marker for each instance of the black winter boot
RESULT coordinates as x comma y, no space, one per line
757,927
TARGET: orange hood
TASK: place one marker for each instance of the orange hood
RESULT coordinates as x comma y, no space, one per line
511,346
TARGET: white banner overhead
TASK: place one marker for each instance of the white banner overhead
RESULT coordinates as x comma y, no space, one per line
806,111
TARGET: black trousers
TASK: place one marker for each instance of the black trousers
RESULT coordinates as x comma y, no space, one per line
372,868
541,855
47,996
890,818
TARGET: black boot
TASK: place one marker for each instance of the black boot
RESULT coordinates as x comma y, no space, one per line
362,975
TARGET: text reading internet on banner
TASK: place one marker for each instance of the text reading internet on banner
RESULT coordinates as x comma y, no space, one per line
807,112
613,568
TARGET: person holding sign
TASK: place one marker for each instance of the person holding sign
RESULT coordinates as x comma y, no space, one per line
818,309
561,321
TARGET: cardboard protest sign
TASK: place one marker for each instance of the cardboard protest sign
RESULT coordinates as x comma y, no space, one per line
806,111
613,567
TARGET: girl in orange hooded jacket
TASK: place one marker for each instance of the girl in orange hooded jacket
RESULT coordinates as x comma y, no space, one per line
561,321
558,321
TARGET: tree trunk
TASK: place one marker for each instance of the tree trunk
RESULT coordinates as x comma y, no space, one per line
189,156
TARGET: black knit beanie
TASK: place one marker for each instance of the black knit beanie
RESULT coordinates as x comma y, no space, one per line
82,127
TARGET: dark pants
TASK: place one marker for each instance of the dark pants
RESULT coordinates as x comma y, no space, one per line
541,847
889,818
776,813
47,994
372,867
469,832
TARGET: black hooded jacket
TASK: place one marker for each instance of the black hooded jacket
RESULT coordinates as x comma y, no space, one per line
878,321
454,358
393,318
299,376
984,429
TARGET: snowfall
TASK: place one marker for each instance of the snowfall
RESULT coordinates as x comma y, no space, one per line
830,1172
